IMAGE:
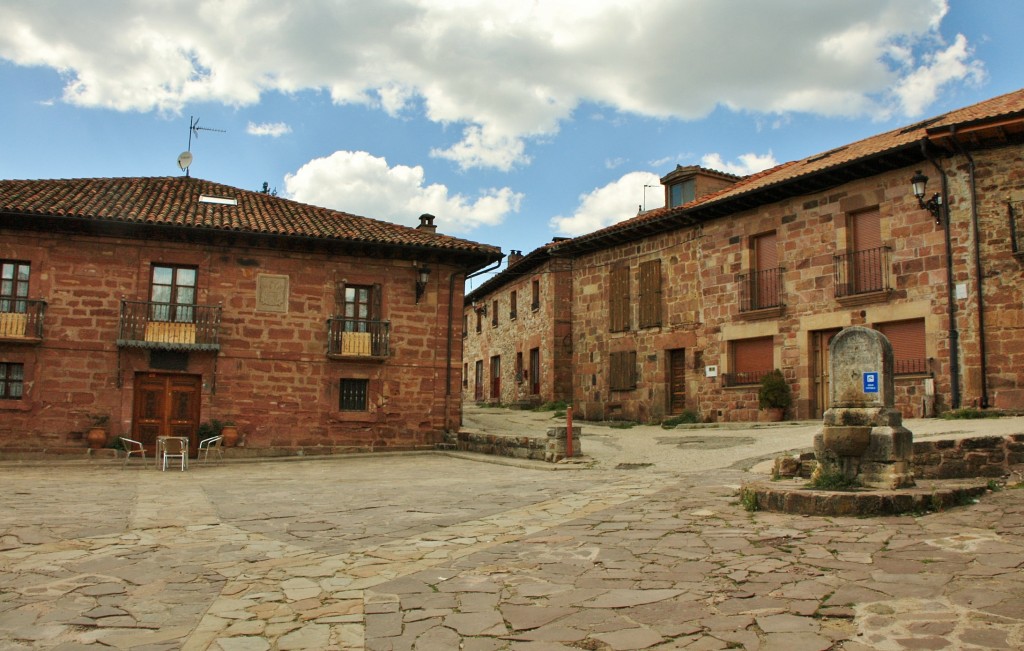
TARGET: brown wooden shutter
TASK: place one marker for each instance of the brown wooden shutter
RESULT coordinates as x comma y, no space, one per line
908,349
376,313
339,299
751,358
622,370
650,294
618,299
766,252
867,230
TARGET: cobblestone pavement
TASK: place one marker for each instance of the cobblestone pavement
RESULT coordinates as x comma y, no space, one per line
432,552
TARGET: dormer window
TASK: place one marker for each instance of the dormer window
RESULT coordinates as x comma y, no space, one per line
682,192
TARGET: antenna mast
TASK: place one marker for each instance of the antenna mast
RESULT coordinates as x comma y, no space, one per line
185,158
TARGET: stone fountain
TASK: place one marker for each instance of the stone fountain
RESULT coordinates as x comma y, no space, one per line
863,435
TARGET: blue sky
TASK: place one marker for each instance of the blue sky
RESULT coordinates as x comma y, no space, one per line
512,122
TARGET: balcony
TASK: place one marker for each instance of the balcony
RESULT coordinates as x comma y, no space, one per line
21,320
169,326
358,338
863,276
761,293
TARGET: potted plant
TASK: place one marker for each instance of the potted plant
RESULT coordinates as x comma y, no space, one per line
230,434
97,434
774,396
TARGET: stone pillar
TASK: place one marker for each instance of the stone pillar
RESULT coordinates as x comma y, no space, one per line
863,433
556,447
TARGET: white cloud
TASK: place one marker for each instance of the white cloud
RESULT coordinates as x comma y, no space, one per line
612,203
503,74
272,129
748,163
360,183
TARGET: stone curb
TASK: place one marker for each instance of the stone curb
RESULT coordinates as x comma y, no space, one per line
799,500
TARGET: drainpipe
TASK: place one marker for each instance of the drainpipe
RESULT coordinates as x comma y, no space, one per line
977,267
954,335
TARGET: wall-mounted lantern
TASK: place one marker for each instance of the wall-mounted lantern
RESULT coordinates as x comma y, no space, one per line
919,183
422,278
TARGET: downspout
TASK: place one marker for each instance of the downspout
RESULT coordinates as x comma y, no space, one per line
977,267
449,343
954,336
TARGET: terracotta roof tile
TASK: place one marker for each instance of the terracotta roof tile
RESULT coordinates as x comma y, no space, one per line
174,201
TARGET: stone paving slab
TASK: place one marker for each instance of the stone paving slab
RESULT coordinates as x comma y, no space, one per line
433,552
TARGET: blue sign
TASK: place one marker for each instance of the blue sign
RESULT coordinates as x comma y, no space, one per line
871,382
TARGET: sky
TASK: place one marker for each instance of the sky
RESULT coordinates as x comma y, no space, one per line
512,121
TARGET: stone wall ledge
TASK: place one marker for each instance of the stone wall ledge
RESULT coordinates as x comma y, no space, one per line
799,500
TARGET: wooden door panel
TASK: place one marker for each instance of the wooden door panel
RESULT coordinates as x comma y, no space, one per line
677,381
166,405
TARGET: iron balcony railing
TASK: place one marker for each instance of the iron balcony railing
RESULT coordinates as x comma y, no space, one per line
862,272
743,378
760,290
21,318
169,326
348,337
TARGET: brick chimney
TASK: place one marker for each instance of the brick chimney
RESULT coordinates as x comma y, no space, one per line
514,257
427,223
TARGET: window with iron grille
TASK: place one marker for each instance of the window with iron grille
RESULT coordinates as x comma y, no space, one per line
13,286
908,348
12,380
535,287
751,360
618,298
512,305
494,313
354,395
650,294
622,371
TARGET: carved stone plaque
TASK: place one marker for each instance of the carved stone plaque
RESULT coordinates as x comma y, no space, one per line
271,293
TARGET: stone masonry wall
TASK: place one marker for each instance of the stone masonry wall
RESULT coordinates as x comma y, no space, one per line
985,456
272,376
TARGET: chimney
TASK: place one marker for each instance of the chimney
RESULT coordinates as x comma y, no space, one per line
427,223
514,257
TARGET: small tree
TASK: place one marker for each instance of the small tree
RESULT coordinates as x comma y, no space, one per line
774,392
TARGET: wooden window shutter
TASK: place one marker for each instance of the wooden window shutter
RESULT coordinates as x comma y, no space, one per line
766,252
867,230
622,370
339,298
376,313
618,299
908,349
753,355
650,294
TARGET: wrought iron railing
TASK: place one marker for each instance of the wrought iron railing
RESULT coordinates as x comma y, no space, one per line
21,318
911,367
358,337
743,378
760,290
170,326
862,272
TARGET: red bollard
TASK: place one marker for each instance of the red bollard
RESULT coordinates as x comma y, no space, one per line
568,432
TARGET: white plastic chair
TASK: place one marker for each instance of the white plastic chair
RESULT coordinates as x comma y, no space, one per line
212,444
132,447
175,448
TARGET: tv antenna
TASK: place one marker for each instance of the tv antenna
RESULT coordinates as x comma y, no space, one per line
185,158
644,209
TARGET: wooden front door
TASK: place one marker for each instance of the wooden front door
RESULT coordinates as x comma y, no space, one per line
166,405
820,363
676,381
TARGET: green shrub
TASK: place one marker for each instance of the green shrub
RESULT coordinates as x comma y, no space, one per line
774,392
688,417
556,405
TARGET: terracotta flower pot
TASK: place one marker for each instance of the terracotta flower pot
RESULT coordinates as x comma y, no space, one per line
96,437
230,434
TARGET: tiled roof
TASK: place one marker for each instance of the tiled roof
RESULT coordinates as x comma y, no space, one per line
174,202
905,140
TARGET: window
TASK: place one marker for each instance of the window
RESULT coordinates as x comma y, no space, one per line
623,370
751,359
479,320
650,294
13,286
865,268
494,313
535,286
762,288
465,325
618,298
519,368
682,192
354,395
12,378
512,305
908,350
465,375
172,289
496,377
360,307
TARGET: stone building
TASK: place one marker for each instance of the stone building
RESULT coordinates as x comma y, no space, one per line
688,306
518,346
160,303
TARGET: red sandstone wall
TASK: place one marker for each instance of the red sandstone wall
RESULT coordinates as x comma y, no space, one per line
272,375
